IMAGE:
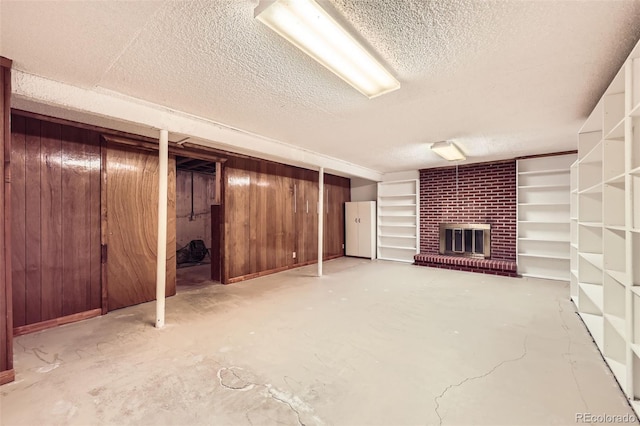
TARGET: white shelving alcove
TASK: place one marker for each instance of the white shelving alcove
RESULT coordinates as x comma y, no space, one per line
398,220
605,227
544,200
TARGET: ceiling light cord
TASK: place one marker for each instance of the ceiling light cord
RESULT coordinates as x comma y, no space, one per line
457,192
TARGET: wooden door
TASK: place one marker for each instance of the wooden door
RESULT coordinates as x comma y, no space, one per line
132,226
310,231
336,194
56,260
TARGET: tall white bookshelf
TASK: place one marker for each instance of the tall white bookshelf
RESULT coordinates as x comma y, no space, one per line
607,229
573,221
398,220
544,217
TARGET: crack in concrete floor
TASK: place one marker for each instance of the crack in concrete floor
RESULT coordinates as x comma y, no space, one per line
282,397
567,355
468,379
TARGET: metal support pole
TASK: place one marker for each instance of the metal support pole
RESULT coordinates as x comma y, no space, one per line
320,219
161,261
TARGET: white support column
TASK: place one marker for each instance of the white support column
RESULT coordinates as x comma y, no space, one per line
161,261
320,219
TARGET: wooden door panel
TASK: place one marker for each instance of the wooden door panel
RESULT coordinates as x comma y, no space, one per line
75,204
33,268
310,223
56,209
18,253
51,202
132,226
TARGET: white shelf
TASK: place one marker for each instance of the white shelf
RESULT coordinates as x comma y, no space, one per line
544,201
617,131
398,201
594,292
616,179
594,324
621,277
397,196
543,204
636,349
618,369
542,172
397,247
593,189
594,258
544,256
553,222
544,186
591,224
550,240
617,323
608,206
542,276
393,259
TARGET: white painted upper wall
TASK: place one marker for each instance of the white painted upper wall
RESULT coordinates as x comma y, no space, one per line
405,175
118,112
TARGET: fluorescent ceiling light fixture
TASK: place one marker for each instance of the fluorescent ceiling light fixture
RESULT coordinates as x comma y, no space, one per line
311,29
448,150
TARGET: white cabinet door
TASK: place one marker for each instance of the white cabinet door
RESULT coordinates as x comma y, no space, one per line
360,229
366,218
351,229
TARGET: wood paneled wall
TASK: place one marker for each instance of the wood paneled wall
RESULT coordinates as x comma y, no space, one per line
337,192
132,226
270,213
55,220
6,315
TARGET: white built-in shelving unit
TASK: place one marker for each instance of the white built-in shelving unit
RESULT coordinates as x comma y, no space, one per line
398,220
573,220
606,202
544,217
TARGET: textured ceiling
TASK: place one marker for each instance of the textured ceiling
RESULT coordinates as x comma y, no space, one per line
503,79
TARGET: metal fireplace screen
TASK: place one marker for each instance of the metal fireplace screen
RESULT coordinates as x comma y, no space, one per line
466,239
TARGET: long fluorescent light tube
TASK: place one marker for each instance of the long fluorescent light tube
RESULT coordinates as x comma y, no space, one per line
311,29
448,150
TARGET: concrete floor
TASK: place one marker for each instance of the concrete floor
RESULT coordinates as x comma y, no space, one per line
369,343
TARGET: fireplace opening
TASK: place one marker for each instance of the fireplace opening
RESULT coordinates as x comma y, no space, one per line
466,239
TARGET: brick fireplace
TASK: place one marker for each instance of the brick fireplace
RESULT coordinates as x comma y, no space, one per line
482,193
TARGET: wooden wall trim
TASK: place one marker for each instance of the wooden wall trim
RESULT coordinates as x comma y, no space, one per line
276,270
184,150
5,223
7,376
103,228
224,261
143,142
43,325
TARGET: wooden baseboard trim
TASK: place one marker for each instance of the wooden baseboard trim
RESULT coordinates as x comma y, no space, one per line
7,376
43,325
276,270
